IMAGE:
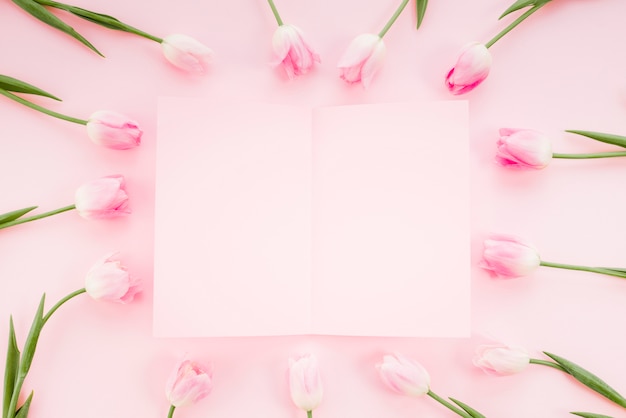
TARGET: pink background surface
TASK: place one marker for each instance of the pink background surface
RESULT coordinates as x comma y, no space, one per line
561,69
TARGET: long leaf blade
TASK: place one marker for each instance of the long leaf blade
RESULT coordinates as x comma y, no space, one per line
13,215
421,11
19,86
590,415
618,140
589,379
41,13
474,413
33,337
22,412
10,370
519,4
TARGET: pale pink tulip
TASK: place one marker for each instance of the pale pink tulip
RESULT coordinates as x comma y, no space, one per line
509,257
500,359
523,148
292,51
102,198
188,383
471,69
305,382
113,130
362,59
187,53
404,375
109,280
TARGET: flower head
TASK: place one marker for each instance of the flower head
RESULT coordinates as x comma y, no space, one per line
292,51
500,359
363,58
404,375
509,257
102,198
523,148
113,130
187,53
305,383
188,383
471,68
109,280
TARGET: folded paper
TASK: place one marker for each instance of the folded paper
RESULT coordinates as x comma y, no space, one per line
282,220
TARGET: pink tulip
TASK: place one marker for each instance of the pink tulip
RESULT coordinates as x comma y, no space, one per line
113,130
109,280
363,58
523,148
404,375
187,53
293,52
102,198
188,383
500,359
471,68
509,257
305,383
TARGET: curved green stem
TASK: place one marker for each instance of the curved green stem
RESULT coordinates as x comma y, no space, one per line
61,302
34,218
41,108
513,25
594,155
393,18
309,414
600,270
275,12
100,19
170,414
548,364
448,404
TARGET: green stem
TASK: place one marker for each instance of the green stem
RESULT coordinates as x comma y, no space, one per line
98,18
594,155
61,302
34,218
548,364
170,414
448,404
275,11
600,270
513,25
309,414
393,18
42,109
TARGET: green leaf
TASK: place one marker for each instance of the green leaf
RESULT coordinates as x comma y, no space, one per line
22,412
474,413
18,86
421,11
41,13
10,369
520,4
589,379
11,216
590,415
33,337
602,137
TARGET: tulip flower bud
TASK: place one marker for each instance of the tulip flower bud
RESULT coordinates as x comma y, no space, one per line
293,52
305,383
362,59
102,198
187,53
109,280
113,130
509,257
404,376
471,69
188,383
523,148
500,359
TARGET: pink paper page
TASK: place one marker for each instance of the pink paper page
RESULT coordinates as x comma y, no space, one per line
233,210
391,220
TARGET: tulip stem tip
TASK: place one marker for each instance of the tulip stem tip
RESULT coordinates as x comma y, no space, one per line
61,302
275,12
616,272
34,218
513,25
547,363
393,18
41,108
309,414
592,155
170,414
448,404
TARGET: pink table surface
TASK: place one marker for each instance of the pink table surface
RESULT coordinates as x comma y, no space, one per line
564,68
